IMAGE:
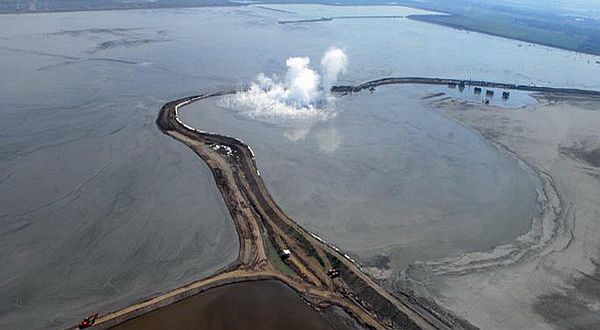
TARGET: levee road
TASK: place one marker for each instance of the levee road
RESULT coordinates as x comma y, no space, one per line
262,225
264,230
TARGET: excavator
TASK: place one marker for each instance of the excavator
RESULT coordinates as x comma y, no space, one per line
88,321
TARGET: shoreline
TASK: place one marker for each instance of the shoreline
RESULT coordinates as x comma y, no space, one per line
551,216
532,289
426,19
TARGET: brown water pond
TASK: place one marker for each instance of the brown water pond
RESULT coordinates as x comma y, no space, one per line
252,305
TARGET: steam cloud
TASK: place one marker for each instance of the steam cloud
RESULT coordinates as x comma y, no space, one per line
333,63
303,94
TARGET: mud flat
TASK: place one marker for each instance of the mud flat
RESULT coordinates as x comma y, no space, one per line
118,173
548,277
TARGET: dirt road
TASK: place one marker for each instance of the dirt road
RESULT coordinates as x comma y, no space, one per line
264,230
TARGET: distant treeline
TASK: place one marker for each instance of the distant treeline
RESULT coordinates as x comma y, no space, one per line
551,27
554,34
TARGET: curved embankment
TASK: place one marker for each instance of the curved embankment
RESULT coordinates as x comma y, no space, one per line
458,82
551,226
263,227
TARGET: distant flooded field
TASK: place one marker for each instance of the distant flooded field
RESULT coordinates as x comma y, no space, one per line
98,209
267,305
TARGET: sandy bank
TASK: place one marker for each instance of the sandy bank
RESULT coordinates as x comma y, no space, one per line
547,278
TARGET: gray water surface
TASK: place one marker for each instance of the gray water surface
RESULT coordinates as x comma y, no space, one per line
387,175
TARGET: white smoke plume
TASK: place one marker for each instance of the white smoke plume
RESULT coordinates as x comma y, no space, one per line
302,83
334,63
303,94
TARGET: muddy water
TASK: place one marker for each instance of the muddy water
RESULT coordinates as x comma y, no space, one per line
386,175
98,209
267,305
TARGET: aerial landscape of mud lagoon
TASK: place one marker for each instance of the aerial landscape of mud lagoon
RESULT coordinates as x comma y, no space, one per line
137,214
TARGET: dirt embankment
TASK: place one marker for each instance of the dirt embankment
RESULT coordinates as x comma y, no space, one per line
262,226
